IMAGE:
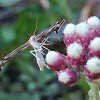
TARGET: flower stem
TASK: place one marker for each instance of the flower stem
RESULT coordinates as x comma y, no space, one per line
94,91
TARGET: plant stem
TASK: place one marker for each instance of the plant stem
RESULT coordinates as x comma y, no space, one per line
94,91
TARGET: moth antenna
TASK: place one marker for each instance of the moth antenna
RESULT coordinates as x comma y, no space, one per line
28,34
36,25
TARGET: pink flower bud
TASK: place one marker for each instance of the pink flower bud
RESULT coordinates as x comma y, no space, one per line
94,24
92,69
68,76
69,34
94,47
76,56
56,61
83,32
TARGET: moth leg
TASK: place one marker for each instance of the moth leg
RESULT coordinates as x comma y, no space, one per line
33,53
44,43
44,40
39,59
39,50
45,48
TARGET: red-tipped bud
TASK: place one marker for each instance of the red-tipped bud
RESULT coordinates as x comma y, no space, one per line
69,34
68,76
76,56
83,32
92,69
56,61
94,47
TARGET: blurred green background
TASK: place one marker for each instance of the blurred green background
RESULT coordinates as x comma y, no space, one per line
21,78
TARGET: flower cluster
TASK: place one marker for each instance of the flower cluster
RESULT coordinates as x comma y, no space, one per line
82,53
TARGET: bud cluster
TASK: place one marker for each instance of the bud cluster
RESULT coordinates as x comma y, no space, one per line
82,53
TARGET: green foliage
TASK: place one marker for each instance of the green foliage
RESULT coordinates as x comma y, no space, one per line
20,78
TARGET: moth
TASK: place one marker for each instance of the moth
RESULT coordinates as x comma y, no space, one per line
33,42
